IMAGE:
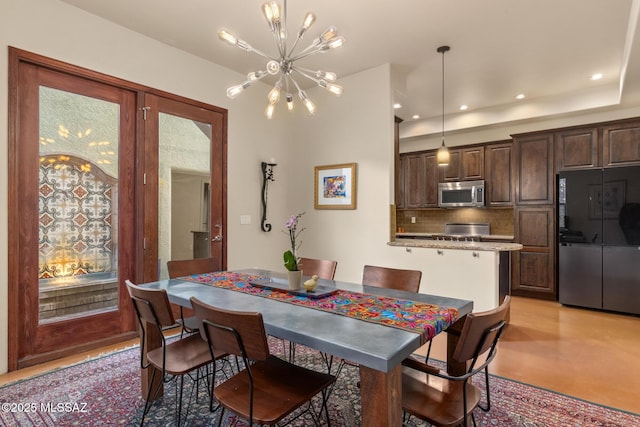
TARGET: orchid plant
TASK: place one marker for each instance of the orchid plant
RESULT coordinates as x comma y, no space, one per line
291,228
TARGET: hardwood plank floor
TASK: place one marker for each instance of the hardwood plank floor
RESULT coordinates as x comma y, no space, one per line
588,354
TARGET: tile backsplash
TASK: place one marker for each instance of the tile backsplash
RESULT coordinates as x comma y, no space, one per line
433,220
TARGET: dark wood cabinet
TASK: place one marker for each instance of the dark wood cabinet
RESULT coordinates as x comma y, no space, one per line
414,181
472,163
533,268
453,171
533,169
465,164
498,175
578,149
419,184
621,144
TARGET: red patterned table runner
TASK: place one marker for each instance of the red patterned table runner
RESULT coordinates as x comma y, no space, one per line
425,319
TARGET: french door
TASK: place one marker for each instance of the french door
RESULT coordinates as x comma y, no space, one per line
100,170
184,143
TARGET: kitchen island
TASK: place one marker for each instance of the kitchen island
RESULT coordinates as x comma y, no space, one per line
478,271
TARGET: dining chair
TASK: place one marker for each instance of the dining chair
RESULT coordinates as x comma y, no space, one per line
391,278
447,400
324,269
188,267
173,359
268,388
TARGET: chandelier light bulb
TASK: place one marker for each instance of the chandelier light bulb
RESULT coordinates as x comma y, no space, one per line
333,88
326,75
290,105
274,94
307,23
311,107
256,75
271,11
328,34
269,111
336,42
234,91
227,37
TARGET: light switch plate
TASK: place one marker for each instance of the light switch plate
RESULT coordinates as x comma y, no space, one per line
245,219
413,220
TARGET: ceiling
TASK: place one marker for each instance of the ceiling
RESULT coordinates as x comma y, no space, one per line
546,49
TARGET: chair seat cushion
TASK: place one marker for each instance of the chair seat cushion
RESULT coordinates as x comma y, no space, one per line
183,355
436,400
280,388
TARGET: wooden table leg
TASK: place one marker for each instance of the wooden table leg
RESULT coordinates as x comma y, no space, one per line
381,397
152,341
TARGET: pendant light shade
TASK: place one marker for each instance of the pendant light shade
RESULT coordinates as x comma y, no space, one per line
443,156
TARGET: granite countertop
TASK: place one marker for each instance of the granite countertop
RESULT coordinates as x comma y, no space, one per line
446,244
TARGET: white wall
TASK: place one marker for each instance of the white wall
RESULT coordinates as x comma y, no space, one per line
357,127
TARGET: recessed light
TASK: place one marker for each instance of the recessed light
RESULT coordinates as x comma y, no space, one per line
520,96
397,105
596,76
415,116
464,107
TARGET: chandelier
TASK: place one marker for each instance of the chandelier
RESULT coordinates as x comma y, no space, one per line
284,66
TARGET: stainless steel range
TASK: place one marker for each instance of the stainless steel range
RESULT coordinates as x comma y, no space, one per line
463,232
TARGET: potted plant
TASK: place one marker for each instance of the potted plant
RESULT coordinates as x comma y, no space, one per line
291,260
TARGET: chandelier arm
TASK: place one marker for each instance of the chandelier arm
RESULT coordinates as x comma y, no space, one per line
264,55
302,73
306,53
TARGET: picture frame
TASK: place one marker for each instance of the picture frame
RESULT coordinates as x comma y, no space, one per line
335,186
607,200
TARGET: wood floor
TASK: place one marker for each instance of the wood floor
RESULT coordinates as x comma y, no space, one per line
587,354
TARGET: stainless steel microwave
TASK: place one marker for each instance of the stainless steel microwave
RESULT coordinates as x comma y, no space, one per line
461,194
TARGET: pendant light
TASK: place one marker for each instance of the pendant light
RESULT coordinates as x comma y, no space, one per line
442,155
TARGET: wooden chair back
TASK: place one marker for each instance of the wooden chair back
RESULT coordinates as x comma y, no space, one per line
239,333
481,332
391,278
151,305
323,268
188,267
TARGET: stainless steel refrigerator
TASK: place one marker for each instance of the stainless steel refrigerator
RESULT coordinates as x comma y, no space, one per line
599,239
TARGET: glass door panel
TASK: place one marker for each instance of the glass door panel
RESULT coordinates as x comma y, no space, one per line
183,189
78,218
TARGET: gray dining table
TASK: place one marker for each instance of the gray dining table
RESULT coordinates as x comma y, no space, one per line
377,349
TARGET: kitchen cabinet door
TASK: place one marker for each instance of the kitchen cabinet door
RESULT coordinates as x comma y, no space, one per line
621,144
452,172
472,163
498,158
533,268
577,149
534,174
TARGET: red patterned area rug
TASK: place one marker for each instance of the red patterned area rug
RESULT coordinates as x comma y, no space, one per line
106,392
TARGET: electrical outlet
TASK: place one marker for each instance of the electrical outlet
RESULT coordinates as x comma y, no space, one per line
413,220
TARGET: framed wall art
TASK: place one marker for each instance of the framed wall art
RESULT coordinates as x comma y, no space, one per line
335,186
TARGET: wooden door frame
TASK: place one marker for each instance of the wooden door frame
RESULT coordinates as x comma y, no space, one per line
16,57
